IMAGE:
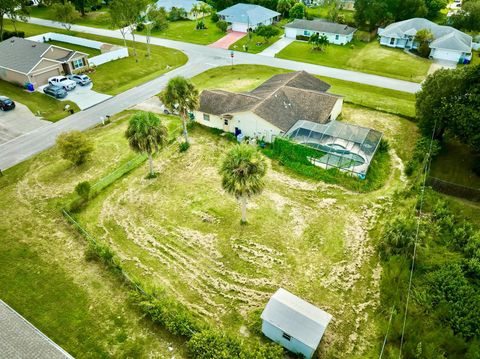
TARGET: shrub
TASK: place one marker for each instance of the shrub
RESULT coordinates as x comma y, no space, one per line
177,14
302,37
383,146
422,148
222,25
214,17
75,147
254,322
399,236
297,11
140,27
83,190
200,25
8,34
184,146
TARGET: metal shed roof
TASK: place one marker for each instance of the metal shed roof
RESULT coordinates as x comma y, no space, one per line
21,340
296,317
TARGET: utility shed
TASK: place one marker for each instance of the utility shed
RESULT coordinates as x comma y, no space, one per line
21,340
294,323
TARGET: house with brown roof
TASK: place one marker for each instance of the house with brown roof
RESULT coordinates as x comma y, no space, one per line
25,61
272,108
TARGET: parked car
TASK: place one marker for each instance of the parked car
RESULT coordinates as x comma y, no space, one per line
55,91
62,81
6,104
82,80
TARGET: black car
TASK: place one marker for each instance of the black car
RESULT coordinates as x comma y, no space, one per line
6,104
55,91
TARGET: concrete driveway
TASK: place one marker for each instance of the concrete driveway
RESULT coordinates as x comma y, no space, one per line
276,47
83,96
17,122
229,39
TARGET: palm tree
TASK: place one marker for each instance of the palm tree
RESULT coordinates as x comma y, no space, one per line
146,133
242,173
182,96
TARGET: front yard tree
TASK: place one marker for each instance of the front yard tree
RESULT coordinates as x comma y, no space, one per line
180,96
66,13
333,7
318,42
469,17
14,10
284,6
75,147
222,25
298,11
424,37
267,31
242,171
146,134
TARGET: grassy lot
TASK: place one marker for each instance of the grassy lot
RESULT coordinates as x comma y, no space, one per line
454,164
247,77
257,44
45,275
120,75
322,12
364,57
41,105
184,30
87,50
100,19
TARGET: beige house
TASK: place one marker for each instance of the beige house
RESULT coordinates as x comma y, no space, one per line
25,61
272,108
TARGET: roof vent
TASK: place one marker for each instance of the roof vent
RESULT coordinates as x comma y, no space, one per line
33,45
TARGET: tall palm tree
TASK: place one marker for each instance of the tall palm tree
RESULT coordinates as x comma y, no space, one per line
182,96
242,173
146,134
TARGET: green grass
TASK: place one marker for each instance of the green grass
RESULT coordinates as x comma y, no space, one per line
184,30
45,276
87,50
100,19
322,12
43,106
120,75
247,77
363,57
257,44
454,164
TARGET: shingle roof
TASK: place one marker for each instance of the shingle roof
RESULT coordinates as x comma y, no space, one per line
296,317
445,37
21,340
187,5
321,26
282,100
248,14
20,54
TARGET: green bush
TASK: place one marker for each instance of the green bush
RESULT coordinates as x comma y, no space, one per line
222,25
184,146
8,34
422,148
75,147
83,190
214,17
399,236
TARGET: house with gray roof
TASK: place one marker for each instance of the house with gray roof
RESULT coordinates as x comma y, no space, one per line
25,61
338,34
187,5
272,108
247,17
294,323
19,339
449,44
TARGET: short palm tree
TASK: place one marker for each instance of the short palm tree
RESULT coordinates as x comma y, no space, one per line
146,134
182,96
242,173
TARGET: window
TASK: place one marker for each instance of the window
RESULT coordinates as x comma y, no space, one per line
225,122
306,33
392,41
286,336
206,117
337,37
77,63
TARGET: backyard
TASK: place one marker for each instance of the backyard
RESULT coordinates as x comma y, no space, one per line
87,50
100,19
363,57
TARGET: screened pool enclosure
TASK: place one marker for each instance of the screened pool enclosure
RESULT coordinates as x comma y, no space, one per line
347,147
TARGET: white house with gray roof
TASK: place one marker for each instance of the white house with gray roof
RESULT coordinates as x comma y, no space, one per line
246,17
21,340
449,44
338,34
294,323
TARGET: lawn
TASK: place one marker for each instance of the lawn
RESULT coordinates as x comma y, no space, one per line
120,75
100,19
184,30
454,164
45,275
257,44
363,57
43,106
87,50
247,77
322,12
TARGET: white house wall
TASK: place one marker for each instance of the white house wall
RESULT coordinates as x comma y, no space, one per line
337,109
292,33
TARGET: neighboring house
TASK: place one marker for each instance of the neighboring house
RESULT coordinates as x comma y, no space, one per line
272,108
20,339
25,61
187,5
347,4
247,17
448,43
294,323
337,34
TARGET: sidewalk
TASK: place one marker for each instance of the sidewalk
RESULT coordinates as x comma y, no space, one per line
276,47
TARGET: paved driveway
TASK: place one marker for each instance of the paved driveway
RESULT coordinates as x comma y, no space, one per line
229,39
276,47
83,96
17,122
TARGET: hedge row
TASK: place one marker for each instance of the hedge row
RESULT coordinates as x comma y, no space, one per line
8,34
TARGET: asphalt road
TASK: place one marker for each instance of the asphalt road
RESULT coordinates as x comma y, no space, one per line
201,58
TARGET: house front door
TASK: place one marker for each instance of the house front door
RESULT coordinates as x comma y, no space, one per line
226,125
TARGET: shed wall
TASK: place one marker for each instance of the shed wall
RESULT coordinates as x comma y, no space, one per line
295,346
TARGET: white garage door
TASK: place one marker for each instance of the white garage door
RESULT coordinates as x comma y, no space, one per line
236,26
446,55
291,33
